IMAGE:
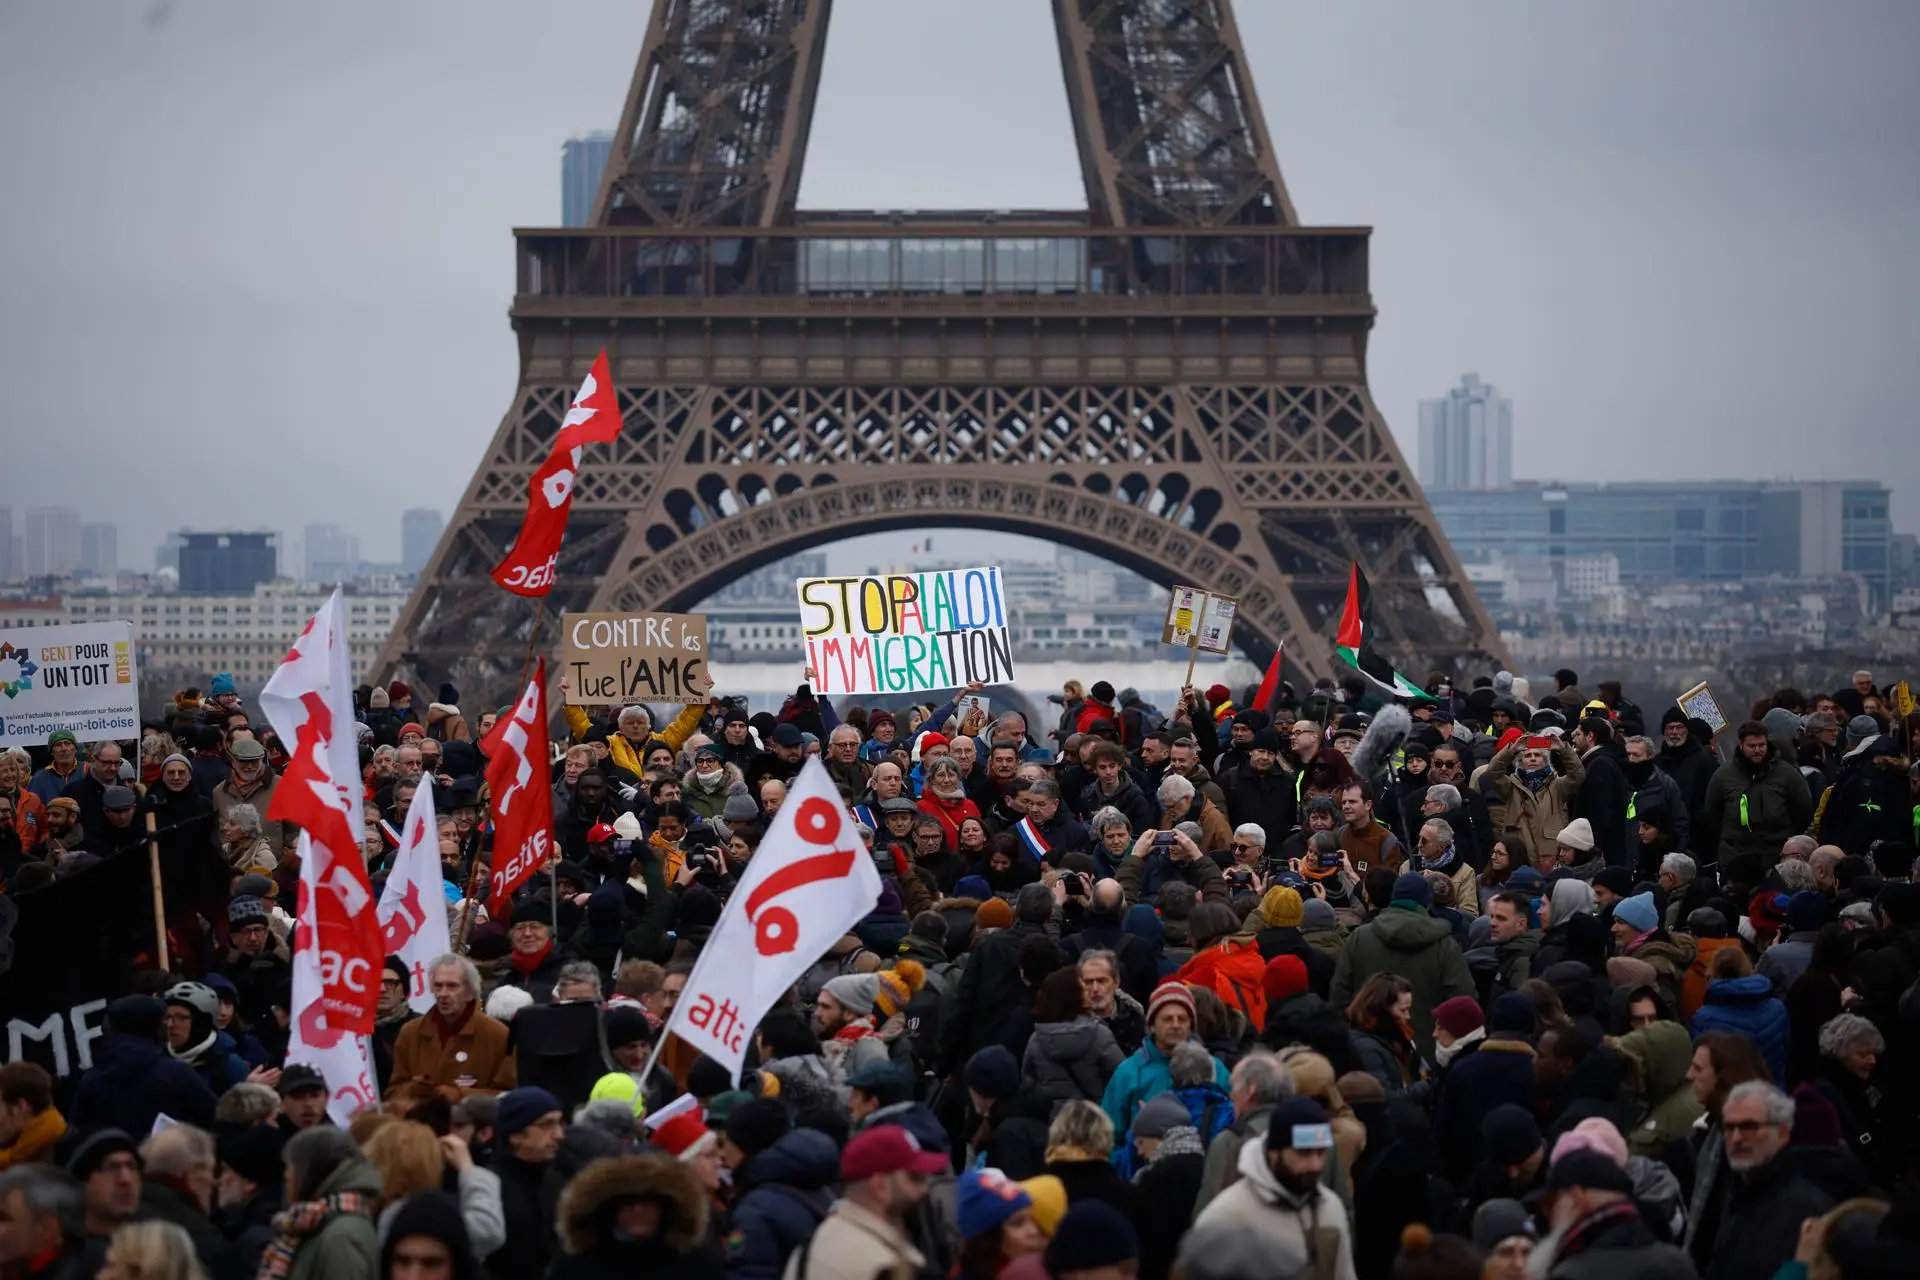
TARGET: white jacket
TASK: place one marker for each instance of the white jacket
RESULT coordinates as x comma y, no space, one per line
1307,1241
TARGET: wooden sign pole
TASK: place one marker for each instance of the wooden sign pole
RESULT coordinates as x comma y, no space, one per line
159,901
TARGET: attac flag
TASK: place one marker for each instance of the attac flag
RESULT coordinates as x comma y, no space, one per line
336,950
520,778
593,418
1354,642
809,882
1270,682
413,906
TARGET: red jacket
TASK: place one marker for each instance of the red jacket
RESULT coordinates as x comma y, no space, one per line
1234,970
951,814
1091,711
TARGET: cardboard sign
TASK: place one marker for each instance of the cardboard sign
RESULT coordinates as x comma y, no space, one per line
617,659
1698,703
79,678
906,632
1903,703
1193,614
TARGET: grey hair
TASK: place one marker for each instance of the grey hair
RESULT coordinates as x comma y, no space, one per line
1444,794
469,972
1779,1106
1189,1064
610,1116
1174,788
1323,842
48,1191
243,816
1252,832
1106,819
1798,848
1858,914
843,733
635,712
1842,1031
1265,1076
940,764
1044,789
1192,831
1033,904
579,971
313,1154
18,755
244,1105
177,1150
1683,867
1441,825
1083,1125
1653,748
1795,876
1177,899
1441,886
1098,954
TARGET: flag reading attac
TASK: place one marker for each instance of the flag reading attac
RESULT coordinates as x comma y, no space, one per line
593,418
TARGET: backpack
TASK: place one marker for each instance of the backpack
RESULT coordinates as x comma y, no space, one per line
925,1012
829,967
1236,972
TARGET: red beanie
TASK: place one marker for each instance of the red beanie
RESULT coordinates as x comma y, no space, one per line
1285,976
1459,1016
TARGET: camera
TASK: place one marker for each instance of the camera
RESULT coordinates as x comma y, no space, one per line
1164,840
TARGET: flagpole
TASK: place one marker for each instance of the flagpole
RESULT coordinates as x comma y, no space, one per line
159,902
473,868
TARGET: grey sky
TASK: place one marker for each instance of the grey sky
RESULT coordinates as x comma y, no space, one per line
258,261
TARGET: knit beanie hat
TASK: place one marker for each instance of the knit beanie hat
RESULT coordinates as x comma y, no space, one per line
1806,911
1281,908
520,1108
1508,1135
1512,1015
994,913
853,991
1093,1234
1459,1016
993,1072
1638,911
1618,879
1049,1196
1170,992
755,1125
82,1151
1503,1219
1625,971
1318,914
984,1199
254,1153
245,911
685,1136
1285,976
1413,888
894,987
1158,1114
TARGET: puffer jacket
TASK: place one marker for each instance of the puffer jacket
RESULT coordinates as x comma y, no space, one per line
1661,1054
1070,1061
1747,1005
788,1193
1416,946
1529,820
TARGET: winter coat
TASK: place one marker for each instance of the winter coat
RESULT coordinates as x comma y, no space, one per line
1529,820
348,1247
528,1196
1140,1077
1287,940
474,1059
1786,962
1581,937
1087,1179
1876,1125
1603,800
1139,966
1778,805
1627,1248
1747,1005
1069,1061
1691,766
1671,956
1216,833
1232,969
1662,1052
709,804
132,1080
1416,946
1500,1070
1016,1136
990,988
1171,1184
1760,1221
1310,1239
1693,988
788,1192
1143,877
949,813
683,1249
1870,799
1134,804
1265,799
1309,1020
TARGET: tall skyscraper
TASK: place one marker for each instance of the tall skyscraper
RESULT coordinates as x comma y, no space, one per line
582,160
226,564
419,535
53,542
1466,440
332,553
9,548
99,548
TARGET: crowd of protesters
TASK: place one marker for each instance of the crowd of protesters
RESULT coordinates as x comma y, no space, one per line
1504,982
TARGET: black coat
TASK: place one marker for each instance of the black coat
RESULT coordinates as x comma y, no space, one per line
529,1201
1760,1223
990,989
1603,801
1016,1141
1099,1180
1308,1019
1692,767
1263,798
1171,1185
132,1081
1139,968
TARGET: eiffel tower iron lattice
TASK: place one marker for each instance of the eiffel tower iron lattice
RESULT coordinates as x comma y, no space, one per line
1174,379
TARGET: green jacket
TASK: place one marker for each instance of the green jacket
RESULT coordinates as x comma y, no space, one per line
348,1248
1778,805
1417,946
1661,1052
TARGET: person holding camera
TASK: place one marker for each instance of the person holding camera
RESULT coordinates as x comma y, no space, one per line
1160,857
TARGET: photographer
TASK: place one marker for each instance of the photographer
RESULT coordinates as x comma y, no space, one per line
1159,857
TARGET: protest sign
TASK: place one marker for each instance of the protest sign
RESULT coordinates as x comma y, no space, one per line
809,882
1199,619
621,658
79,678
906,632
1698,703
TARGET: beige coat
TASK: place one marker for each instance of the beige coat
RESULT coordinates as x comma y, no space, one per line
854,1243
1527,820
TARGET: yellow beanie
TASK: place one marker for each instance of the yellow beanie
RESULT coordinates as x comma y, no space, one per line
1049,1196
897,986
622,1087
1281,908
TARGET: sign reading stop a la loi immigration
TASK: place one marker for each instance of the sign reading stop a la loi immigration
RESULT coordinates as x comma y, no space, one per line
810,881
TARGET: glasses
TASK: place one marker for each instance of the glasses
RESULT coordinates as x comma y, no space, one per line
1445,764
1241,845
1748,1128
390,982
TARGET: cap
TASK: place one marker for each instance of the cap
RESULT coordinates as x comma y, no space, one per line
119,798
886,1082
247,749
1299,1124
788,735
300,1078
887,1148
685,1136
898,804
1860,728
985,1198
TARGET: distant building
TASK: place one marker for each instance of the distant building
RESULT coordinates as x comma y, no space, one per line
333,554
420,530
226,563
582,161
1662,531
10,567
99,548
1466,439
52,542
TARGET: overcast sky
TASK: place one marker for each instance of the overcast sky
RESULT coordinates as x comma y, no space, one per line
258,255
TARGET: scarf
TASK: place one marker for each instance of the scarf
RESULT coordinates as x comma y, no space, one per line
719,783
299,1221
1446,1053
188,1054
448,1030
526,964
1579,1235
1440,863
1534,779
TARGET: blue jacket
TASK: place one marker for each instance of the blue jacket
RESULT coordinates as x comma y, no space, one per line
1140,1077
1747,1005
132,1081
789,1190
222,1066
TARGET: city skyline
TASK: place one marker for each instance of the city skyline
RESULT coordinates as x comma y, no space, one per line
1524,222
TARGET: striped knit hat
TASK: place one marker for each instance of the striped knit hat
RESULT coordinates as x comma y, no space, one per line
1171,991
896,986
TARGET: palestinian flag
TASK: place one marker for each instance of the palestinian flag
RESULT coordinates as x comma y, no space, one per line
1354,643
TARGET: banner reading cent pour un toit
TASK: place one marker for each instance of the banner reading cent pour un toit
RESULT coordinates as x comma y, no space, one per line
906,632
79,678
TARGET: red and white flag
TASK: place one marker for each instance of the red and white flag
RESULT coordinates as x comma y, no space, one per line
336,951
520,778
593,418
810,881
413,906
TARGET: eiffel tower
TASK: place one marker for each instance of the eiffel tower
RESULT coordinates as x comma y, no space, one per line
1173,379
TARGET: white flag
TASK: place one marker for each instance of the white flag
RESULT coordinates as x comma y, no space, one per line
810,882
413,906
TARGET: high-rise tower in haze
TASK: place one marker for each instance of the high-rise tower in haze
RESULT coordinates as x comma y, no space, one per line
1466,440
582,161
419,534
53,542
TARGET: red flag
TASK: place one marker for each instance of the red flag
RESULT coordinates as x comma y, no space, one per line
519,776
594,418
1270,682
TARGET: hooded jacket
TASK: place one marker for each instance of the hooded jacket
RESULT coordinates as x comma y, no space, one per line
1753,809
1661,1054
1416,946
1747,1005
1142,1076
1300,1236
349,1245
132,1080
591,1250
1070,1061
1870,799
788,1192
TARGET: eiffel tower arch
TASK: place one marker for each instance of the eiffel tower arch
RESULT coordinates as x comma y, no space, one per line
1174,378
